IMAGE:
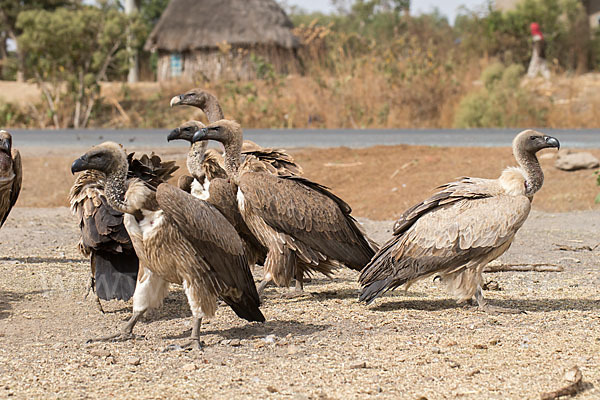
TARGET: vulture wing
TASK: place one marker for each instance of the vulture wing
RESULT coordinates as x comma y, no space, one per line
218,247
103,237
466,220
15,188
280,161
308,212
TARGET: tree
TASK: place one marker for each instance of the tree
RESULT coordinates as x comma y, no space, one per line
71,50
9,12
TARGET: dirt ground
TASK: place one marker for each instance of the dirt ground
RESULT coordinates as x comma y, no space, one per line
410,345
415,345
378,182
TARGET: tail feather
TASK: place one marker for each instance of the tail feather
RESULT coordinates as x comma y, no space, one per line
371,291
115,275
246,307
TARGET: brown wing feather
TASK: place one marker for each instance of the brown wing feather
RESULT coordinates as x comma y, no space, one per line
282,162
466,220
15,188
308,212
217,243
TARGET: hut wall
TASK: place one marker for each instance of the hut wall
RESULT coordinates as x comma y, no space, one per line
237,63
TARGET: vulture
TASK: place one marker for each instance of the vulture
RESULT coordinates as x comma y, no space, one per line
104,238
11,175
304,226
459,229
178,239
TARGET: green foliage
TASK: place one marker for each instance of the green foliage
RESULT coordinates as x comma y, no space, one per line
77,47
500,103
506,34
11,115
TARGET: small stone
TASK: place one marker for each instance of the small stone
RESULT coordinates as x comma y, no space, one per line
358,365
453,364
572,161
100,353
235,343
225,342
480,346
272,389
134,360
573,375
474,372
110,360
436,350
269,339
189,367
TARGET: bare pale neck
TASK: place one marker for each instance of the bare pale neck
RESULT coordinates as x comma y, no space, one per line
534,176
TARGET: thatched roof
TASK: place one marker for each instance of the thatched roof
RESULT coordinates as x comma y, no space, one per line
195,24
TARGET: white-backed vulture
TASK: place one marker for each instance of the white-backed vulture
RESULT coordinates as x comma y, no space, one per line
303,225
178,239
113,262
459,229
11,175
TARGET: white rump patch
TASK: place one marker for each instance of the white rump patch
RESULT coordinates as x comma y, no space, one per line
150,292
152,220
513,181
240,199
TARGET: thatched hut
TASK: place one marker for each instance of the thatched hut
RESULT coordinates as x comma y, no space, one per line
232,39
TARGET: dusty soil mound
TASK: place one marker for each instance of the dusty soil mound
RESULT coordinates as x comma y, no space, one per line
378,182
418,344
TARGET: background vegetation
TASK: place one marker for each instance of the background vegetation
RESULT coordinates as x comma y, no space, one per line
370,65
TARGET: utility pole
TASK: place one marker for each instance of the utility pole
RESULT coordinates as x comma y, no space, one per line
130,9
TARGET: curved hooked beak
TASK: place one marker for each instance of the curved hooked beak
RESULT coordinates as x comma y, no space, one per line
79,165
201,134
552,142
174,134
5,145
176,100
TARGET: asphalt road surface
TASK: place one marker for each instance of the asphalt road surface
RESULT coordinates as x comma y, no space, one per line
290,138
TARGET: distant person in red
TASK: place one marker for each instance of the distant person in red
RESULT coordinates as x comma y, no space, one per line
538,64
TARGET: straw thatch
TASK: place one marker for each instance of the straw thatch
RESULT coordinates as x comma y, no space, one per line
195,24
222,38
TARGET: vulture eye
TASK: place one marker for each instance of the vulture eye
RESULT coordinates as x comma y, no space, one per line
191,94
214,128
533,137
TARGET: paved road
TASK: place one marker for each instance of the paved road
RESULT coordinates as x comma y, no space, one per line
305,138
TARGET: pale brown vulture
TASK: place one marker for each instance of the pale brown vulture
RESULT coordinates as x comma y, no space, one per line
114,264
459,229
303,225
11,175
179,239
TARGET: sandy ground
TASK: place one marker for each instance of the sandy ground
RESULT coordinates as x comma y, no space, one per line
325,345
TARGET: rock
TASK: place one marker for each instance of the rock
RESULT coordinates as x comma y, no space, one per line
272,389
134,360
269,339
100,353
573,375
569,161
235,343
358,365
189,367
436,350
491,285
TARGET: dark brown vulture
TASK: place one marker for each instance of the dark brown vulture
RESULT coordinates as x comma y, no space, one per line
179,239
461,228
11,175
304,226
104,238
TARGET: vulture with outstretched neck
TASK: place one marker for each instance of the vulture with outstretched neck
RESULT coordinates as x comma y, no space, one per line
457,231
179,239
304,226
11,175
113,262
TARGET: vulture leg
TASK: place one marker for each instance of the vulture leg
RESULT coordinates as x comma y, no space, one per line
193,297
126,331
298,290
266,280
195,336
90,289
484,306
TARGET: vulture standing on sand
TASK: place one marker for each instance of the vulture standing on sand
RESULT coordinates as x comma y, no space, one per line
179,239
11,175
104,238
459,229
305,227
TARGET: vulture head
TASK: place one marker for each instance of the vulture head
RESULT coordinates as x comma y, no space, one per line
107,157
185,131
530,141
224,131
195,97
5,142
